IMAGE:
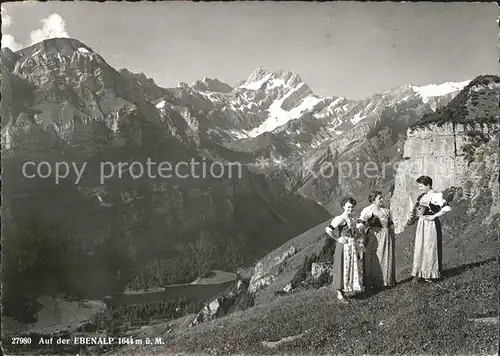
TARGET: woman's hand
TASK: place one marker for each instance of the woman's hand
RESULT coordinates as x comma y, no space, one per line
361,228
342,240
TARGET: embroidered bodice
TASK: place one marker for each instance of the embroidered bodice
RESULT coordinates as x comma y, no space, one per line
429,203
345,225
373,217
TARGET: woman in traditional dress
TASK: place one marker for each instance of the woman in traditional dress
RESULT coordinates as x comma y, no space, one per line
379,269
348,257
427,257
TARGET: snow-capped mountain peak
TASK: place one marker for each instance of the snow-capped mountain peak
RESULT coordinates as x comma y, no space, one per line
211,85
258,77
279,103
280,78
436,90
291,106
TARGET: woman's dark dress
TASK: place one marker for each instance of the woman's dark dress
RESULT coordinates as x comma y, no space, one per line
348,258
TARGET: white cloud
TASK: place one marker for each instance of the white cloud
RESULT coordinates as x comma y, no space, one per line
6,19
10,41
52,26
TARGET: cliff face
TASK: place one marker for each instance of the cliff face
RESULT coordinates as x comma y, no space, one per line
439,153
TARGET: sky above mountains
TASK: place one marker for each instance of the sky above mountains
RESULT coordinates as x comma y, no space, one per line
349,49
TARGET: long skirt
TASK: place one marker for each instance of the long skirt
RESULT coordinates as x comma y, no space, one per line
380,265
427,257
348,268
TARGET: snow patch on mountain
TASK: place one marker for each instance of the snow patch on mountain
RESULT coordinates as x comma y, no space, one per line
331,110
307,104
337,101
357,118
433,90
335,131
278,116
237,134
274,83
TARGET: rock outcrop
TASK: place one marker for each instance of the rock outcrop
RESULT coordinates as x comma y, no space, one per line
234,298
320,269
439,153
275,274
212,85
260,276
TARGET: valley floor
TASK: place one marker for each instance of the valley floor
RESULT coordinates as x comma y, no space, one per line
55,315
458,315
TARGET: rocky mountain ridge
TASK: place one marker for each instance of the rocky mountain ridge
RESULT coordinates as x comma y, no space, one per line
277,104
61,102
281,107
273,123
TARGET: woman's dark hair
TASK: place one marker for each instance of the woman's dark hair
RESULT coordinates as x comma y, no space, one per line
346,200
373,195
425,180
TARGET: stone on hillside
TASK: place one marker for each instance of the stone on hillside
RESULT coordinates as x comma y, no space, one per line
262,283
261,277
288,253
320,269
222,304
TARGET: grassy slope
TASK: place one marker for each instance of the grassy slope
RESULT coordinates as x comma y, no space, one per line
305,244
407,319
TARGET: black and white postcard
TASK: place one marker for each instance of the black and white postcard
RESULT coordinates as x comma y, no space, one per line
250,178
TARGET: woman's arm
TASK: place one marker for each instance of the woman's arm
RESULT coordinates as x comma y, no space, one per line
363,219
413,218
438,199
391,221
331,228
444,210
